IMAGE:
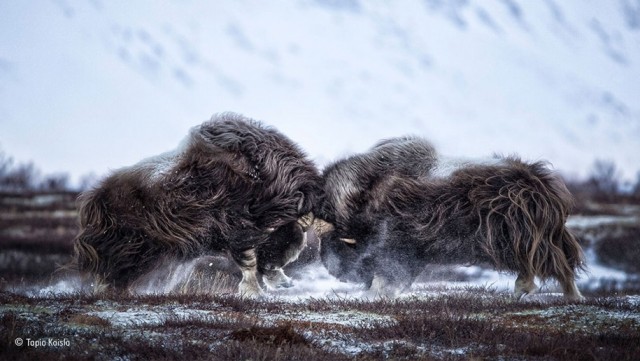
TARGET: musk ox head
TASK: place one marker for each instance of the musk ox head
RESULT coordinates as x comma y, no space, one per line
233,184
502,211
354,187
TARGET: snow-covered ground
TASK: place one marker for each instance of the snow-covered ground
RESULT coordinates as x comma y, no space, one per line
314,282
433,322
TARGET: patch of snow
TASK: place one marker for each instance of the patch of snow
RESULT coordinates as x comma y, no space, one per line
347,318
634,300
315,281
586,222
132,317
448,165
166,279
36,201
144,316
333,342
598,274
478,277
597,315
160,165
65,286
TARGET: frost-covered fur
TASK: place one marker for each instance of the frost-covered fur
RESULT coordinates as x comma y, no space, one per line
399,216
354,186
233,185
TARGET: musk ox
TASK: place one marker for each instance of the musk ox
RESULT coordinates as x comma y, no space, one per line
400,206
232,185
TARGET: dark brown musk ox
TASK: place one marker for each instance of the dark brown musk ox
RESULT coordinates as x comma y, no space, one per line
389,212
232,185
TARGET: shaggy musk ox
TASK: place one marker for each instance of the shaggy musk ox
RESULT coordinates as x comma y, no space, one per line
400,206
232,185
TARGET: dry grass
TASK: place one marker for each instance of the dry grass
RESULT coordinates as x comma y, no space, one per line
88,320
458,325
201,318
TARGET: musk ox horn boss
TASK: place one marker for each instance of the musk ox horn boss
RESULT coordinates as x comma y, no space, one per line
400,206
233,185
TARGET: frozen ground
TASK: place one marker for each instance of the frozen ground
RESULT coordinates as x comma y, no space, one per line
322,318
430,322
188,311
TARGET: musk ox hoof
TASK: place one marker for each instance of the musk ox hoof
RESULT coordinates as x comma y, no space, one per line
277,279
382,288
525,285
574,296
372,294
247,290
520,294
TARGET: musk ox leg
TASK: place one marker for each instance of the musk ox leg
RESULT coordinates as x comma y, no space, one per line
394,272
283,247
390,285
381,286
247,261
396,261
275,278
570,289
525,285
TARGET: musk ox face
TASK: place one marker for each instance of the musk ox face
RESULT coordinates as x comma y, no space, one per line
346,259
500,211
233,185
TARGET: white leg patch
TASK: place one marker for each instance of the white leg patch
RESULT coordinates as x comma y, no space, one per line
524,286
249,286
571,291
380,287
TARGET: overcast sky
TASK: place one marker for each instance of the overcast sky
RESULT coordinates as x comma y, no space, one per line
90,86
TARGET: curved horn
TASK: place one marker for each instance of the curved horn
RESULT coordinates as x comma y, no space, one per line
321,226
306,221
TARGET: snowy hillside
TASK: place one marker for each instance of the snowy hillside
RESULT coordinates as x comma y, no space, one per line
95,85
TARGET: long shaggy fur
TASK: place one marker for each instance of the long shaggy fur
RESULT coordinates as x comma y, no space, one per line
233,185
354,187
504,212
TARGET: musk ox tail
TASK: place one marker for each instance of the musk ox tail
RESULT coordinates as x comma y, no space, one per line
91,213
522,209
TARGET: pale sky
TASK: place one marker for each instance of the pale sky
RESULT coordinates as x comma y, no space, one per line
94,86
